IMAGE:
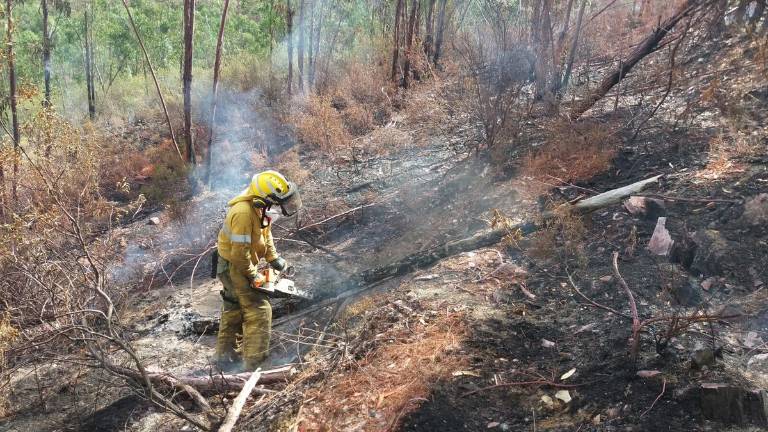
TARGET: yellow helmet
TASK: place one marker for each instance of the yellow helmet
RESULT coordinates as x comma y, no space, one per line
272,188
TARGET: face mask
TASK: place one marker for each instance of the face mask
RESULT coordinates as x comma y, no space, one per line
274,213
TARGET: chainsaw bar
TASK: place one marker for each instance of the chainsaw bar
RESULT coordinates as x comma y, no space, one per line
284,288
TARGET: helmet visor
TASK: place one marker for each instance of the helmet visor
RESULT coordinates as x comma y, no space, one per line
291,204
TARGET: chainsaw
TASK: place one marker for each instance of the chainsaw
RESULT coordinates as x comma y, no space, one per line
277,284
273,283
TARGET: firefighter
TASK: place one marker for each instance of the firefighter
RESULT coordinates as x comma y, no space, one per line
245,239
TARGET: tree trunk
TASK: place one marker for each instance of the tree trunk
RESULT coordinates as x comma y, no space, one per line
271,74
558,51
429,28
310,41
189,32
316,48
409,42
289,31
46,56
300,45
396,48
572,52
154,79
89,66
439,32
647,46
543,46
12,99
215,91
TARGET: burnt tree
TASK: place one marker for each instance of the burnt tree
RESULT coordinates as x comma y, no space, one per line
46,55
189,31
439,32
409,41
396,49
12,97
300,45
289,31
572,52
429,28
89,76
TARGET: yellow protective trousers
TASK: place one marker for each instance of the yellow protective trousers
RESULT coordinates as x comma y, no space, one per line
245,312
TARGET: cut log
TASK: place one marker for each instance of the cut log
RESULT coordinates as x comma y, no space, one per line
237,406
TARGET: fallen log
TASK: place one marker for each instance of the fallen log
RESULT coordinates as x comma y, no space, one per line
430,256
237,406
194,385
230,382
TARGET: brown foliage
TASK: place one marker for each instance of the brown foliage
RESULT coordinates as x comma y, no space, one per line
319,124
572,152
391,381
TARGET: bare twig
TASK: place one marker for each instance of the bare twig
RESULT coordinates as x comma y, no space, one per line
592,302
635,338
663,389
336,216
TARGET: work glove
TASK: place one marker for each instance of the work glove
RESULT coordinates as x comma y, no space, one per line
278,264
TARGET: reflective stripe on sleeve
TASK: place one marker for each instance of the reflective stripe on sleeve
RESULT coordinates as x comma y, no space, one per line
236,238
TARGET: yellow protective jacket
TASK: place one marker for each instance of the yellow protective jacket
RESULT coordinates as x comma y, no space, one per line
242,241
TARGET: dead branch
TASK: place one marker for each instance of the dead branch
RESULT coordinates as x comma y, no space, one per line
647,46
634,342
237,406
692,200
663,389
336,216
592,302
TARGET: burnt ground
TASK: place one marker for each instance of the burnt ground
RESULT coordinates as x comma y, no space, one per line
608,393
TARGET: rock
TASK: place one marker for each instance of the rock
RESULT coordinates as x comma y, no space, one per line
707,283
756,210
683,289
612,413
715,254
547,343
204,325
563,395
759,362
702,357
661,241
153,221
645,208
752,339
732,404
606,279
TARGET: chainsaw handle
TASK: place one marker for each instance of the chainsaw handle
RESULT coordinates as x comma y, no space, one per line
288,272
